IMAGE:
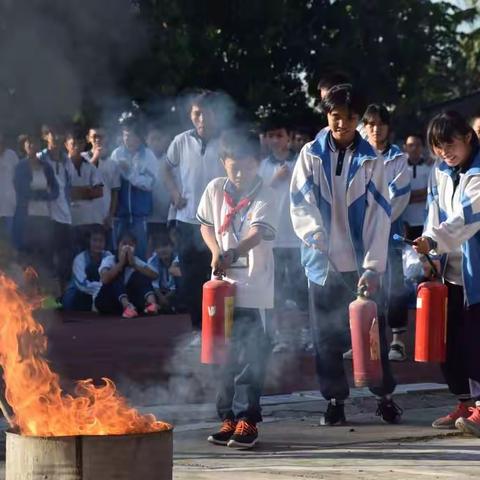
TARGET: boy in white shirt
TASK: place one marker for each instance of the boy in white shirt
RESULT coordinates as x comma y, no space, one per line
192,161
86,187
238,223
8,162
290,282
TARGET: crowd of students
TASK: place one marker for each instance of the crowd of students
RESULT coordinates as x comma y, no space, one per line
297,220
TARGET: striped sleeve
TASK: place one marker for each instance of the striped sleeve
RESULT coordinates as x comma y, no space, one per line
399,187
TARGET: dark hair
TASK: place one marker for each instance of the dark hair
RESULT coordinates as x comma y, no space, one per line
97,230
57,127
376,109
22,138
416,135
331,79
344,95
161,240
475,115
276,122
239,143
128,235
444,127
204,99
132,119
75,134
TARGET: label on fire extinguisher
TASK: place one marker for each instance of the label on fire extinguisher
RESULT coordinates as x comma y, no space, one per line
419,302
374,341
229,305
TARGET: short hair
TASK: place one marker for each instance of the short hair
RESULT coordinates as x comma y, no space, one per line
204,99
444,127
75,134
416,135
376,109
53,127
161,240
330,79
276,122
475,115
238,143
97,230
132,120
344,95
128,235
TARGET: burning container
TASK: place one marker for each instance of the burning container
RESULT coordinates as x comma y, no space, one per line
146,456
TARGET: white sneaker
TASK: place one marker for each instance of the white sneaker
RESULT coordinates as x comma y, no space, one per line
196,340
348,355
397,352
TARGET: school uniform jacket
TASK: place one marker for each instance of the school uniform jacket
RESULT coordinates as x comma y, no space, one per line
367,199
462,229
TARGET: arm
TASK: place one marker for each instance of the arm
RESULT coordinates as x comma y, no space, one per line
80,277
376,227
142,175
178,201
306,217
109,274
144,269
208,235
399,188
86,193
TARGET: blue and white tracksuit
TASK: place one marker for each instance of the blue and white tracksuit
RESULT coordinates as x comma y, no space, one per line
453,222
135,199
368,215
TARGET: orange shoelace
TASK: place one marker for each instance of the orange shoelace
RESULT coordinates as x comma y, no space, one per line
228,426
245,428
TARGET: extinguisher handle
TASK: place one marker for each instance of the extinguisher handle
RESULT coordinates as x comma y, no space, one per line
218,274
432,265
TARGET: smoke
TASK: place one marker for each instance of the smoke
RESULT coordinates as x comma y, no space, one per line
58,56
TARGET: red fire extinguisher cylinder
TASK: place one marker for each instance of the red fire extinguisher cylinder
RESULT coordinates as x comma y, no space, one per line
217,320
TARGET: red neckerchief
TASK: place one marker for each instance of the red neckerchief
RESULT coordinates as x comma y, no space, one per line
236,207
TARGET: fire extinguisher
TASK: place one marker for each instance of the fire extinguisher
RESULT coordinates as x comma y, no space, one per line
217,320
367,365
431,322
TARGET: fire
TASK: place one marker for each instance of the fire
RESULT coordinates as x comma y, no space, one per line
33,390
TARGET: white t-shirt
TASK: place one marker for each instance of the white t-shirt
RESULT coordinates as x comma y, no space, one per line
59,208
161,196
197,164
254,283
415,213
84,212
110,261
286,237
38,208
110,177
8,203
340,246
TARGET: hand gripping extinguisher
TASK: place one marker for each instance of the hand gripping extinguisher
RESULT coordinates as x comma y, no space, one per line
431,320
217,320
367,365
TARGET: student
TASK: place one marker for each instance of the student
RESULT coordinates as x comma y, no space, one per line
475,123
290,284
126,282
377,126
341,211
86,187
414,215
158,140
452,229
99,157
192,161
8,162
54,155
35,186
238,223
85,283
299,136
137,165
166,263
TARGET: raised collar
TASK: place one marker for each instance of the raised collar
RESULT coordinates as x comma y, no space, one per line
334,147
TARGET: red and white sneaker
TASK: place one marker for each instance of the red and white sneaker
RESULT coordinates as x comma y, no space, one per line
448,421
472,423
151,309
130,311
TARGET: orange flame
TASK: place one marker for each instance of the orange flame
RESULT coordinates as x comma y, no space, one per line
40,406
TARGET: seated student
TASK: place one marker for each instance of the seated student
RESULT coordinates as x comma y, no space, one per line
238,223
452,229
35,186
166,263
85,283
126,282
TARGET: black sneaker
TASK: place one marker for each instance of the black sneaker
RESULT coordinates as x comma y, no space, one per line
335,414
224,434
245,436
389,411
